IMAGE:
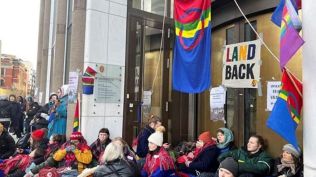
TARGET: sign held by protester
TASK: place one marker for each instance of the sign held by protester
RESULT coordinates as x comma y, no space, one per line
241,65
273,88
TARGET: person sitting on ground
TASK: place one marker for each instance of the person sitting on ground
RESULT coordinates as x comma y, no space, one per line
115,165
7,144
74,153
54,144
253,161
19,164
225,139
158,161
142,139
99,145
227,168
289,164
204,157
129,155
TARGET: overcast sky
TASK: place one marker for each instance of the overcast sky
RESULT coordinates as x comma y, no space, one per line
19,28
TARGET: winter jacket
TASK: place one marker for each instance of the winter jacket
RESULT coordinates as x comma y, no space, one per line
205,161
115,168
97,148
49,160
7,145
287,171
259,164
83,157
142,144
33,109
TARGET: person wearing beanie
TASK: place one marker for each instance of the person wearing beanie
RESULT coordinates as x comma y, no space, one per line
158,161
228,168
252,160
7,144
75,153
224,138
99,145
203,159
29,157
289,164
54,144
142,138
38,135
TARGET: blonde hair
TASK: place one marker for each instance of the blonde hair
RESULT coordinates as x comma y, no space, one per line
1,127
153,119
112,152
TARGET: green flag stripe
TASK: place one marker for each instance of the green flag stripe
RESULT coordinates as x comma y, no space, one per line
192,25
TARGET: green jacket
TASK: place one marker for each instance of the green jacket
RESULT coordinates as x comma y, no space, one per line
259,163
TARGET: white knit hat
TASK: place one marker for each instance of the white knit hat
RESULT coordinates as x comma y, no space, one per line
157,137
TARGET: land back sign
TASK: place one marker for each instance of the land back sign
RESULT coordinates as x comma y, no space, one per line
241,65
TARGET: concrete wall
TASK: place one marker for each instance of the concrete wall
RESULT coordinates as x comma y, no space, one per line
105,42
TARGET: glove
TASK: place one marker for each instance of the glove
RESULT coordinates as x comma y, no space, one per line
70,148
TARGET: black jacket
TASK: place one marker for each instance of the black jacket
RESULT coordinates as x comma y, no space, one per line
287,171
7,145
114,169
33,109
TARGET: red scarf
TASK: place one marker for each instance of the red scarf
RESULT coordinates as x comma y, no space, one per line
20,161
158,160
70,157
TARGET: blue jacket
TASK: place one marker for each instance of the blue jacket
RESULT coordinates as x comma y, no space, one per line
142,142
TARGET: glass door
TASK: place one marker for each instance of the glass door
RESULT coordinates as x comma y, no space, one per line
147,78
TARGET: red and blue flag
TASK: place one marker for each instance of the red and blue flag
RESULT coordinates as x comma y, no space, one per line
285,115
192,51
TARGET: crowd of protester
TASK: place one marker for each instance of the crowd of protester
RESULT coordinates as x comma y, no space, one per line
42,149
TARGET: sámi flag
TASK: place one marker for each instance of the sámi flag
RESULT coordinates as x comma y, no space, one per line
285,115
191,71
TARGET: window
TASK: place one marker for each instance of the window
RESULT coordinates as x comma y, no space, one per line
2,71
152,6
230,35
248,32
1,82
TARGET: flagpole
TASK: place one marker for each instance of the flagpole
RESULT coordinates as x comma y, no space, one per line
79,112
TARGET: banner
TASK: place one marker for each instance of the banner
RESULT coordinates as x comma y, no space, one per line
241,65
273,88
191,71
217,103
73,86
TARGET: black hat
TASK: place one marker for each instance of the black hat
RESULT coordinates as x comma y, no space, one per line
230,164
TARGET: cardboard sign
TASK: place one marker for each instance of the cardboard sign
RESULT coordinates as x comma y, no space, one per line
241,65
